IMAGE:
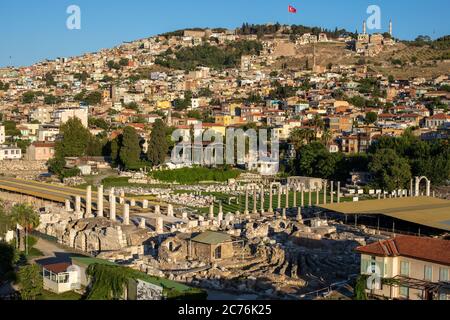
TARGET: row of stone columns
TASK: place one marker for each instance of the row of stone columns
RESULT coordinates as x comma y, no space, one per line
286,191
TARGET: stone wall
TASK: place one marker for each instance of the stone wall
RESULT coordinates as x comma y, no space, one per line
22,168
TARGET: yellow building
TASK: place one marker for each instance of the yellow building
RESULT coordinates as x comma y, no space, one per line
163,104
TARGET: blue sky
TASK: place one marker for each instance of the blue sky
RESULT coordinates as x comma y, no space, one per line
33,30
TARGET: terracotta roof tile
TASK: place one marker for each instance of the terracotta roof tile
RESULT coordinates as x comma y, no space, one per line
427,249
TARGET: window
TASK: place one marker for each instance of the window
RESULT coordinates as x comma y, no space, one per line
404,292
218,252
404,268
443,274
373,265
428,274
443,297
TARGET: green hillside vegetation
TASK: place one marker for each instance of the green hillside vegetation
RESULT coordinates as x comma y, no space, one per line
206,55
196,175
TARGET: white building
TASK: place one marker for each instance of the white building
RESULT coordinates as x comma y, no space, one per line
61,116
10,153
2,135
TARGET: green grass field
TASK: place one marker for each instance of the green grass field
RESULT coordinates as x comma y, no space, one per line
67,296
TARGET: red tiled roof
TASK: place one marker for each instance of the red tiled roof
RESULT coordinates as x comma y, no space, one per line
440,116
57,267
42,144
427,249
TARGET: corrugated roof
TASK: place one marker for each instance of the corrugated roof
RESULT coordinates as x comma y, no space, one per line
210,237
427,211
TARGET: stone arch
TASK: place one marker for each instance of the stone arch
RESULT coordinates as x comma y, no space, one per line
428,186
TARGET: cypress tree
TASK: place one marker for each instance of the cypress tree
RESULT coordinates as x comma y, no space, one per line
130,151
158,146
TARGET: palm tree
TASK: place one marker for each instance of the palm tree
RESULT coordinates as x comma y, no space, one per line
25,216
318,125
327,136
301,136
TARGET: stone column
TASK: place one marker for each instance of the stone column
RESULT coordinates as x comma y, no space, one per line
317,197
170,210
142,223
100,201
78,204
157,209
271,199
184,215
126,214
411,192
428,188
287,197
299,215
295,189
145,204
68,207
310,197
325,188
132,202
122,197
283,215
220,215
246,202
255,201
211,212
88,201
262,195
112,206
159,225
302,200
339,192
279,197
332,192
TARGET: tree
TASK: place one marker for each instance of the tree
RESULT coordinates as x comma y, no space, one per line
390,171
130,151
8,258
158,147
28,97
93,98
56,165
75,139
124,62
327,136
115,149
314,160
31,283
318,124
299,137
371,117
25,216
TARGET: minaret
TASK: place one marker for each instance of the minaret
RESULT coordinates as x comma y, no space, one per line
390,28
364,27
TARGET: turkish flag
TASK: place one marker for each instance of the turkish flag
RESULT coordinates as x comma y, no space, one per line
292,9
